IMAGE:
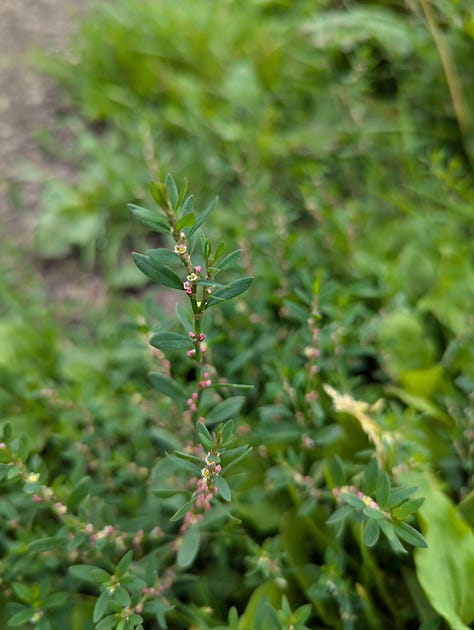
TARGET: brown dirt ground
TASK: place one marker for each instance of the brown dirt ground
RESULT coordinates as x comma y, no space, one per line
30,103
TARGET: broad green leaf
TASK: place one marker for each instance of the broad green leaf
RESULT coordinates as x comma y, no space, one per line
423,383
445,569
229,261
230,291
371,532
202,217
168,386
149,218
225,410
161,274
189,547
223,488
466,508
171,341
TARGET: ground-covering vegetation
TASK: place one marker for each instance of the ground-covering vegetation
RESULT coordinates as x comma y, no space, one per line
295,447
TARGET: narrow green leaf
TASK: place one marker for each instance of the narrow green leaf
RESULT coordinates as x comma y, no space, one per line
186,464
101,605
334,472
223,488
232,456
24,592
225,410
168,387
229,261
107,622
382,489
229,385
187,221
228,431
121,596
189,547
160,193
398,496
47,543
351,499
371,533
410,535
202,217
388,531
408,508
203,435
184,509
85,572
21,617
171,341
370,477
188,205
182,194
189,458
162,256
183,318
230,291
79,492
149,218
339,515
160,274
124,563
172,190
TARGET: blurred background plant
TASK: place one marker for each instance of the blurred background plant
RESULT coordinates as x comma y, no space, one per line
340,138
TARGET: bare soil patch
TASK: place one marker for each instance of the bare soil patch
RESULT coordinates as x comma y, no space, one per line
30,103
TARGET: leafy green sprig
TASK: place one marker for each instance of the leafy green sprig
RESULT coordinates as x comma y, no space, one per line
193,266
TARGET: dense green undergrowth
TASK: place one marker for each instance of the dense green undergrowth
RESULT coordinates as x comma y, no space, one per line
335,392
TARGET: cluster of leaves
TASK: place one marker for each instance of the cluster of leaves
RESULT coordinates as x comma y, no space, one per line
341,141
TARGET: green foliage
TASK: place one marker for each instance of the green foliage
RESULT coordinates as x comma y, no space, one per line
268,462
